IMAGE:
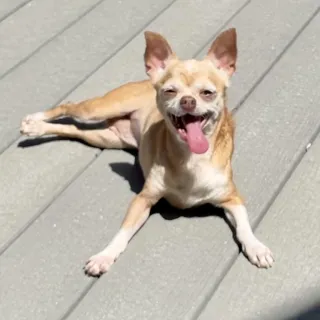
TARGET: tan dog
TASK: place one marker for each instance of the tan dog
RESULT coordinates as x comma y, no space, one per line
184,132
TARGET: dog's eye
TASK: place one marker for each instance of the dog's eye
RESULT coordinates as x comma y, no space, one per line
170,92
207,94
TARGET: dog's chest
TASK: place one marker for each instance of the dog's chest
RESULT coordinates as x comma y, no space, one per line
197,183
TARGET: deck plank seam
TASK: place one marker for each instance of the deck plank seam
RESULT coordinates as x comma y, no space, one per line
215,34
50,39
278,57
12,11
75,303
21,231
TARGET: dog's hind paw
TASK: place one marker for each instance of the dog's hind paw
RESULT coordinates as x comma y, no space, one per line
32,128
98,264
34,117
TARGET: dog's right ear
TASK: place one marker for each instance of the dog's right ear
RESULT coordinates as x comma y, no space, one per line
157,55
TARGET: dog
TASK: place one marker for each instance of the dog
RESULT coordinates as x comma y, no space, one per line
179,122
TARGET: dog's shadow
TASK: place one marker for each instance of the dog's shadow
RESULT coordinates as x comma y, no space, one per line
133,175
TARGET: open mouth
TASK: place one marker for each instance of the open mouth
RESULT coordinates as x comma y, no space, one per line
190,129
180,122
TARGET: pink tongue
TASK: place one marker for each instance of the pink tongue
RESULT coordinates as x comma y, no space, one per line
196,140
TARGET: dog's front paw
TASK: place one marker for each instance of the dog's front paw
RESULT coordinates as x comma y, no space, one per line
33,128
99,264
258,254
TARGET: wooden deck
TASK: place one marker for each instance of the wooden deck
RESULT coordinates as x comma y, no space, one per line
55,203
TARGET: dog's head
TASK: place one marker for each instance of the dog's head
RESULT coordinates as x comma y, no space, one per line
191,93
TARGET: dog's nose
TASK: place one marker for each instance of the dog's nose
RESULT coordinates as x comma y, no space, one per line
188,103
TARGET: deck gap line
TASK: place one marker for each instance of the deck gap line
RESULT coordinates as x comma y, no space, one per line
68,26
288,175
19,6
15,140
208,43
264,74
75,303
21,231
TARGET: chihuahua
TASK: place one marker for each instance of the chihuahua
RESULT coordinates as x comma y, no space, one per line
179,121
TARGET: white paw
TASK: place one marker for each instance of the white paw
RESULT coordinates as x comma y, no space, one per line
32,128
34,117
258,254
99,264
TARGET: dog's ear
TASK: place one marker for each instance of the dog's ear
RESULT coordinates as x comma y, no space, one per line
157,55
223,51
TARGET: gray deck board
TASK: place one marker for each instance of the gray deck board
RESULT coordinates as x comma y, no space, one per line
291,227
34,25
59,67
113,73
172,264
29,184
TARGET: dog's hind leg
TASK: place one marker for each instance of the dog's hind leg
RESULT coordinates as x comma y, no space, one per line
115,104
105,138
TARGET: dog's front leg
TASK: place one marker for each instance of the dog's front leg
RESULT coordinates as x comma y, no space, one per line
256,251
137,215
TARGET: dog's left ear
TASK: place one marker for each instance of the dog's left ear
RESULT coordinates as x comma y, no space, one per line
157,55
223,51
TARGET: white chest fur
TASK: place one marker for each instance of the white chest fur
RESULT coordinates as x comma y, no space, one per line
198,182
